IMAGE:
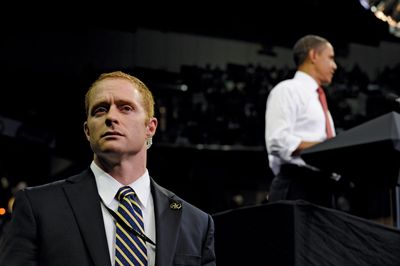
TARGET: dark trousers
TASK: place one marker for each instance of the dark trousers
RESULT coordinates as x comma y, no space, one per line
296,182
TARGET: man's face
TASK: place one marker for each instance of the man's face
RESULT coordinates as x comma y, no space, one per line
116,124
325,64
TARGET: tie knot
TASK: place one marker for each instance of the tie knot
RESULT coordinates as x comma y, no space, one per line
125,191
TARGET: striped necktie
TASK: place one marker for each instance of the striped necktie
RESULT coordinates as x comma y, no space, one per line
129,249
322,99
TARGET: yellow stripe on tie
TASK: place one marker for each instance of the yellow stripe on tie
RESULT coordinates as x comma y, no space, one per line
132,241
128,245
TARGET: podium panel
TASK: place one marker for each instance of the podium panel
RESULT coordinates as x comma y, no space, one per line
368,153
369,156
298,233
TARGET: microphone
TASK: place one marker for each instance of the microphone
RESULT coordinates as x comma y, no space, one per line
392,97
394,100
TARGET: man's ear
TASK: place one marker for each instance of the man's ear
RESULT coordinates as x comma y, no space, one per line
151,127
86,130
312,55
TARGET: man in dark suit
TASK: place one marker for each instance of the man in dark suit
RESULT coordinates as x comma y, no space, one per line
73,221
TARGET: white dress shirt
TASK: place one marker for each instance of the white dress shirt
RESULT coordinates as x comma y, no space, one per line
293,114
108,188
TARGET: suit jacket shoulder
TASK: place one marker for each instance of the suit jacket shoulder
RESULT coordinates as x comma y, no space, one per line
59,223
184,233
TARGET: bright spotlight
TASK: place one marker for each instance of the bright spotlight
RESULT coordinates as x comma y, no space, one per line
385,10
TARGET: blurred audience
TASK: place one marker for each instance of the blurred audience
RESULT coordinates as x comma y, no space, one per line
226,106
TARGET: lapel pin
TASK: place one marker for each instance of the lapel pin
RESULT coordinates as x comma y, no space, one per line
175,206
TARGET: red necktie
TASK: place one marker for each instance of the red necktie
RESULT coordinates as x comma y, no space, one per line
322,99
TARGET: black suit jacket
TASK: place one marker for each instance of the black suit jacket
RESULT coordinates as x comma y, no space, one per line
61,223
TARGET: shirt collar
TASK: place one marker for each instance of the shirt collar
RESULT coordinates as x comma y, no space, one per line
108,186
307,80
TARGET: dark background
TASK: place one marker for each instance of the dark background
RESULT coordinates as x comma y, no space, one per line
273,22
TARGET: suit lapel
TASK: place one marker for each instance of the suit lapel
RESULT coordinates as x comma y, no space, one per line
167,224
82,194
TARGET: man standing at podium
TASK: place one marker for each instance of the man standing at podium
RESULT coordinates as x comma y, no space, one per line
297,118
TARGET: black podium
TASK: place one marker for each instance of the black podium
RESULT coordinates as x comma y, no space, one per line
302,234
368,154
